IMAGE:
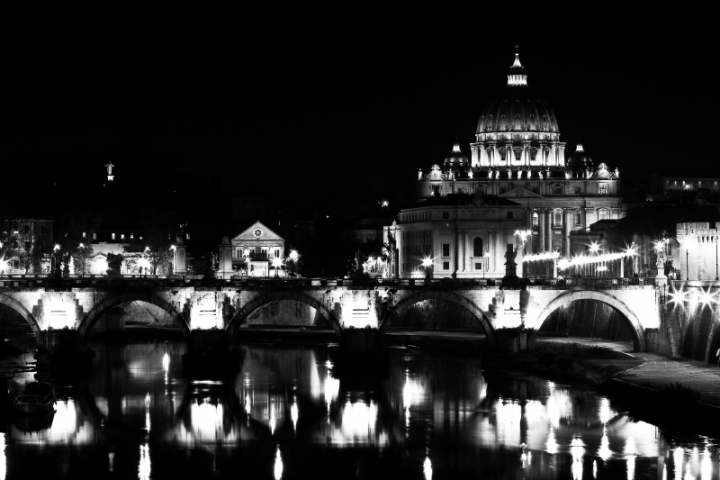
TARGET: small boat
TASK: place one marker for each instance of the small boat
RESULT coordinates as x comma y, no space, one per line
38,397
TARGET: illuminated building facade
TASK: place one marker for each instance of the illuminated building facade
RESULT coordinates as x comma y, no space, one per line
254,250
517,178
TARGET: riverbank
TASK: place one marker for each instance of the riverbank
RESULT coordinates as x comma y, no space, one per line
677,394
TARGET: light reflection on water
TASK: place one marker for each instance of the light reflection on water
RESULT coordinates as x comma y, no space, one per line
286,414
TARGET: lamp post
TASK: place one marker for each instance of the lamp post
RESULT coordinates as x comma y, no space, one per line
486,262
523,234
277,263
427,264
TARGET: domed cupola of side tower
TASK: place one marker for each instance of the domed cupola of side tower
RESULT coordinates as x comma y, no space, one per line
580,162
517,129
456,159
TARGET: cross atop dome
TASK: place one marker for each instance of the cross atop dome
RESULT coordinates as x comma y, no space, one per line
517,76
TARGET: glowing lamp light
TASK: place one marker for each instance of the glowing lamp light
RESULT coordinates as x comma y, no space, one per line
385,203
602,268
594,247
294,255
427,262
147,249
82,245
706,298
277,263
523,234
173,247
678,297
56,247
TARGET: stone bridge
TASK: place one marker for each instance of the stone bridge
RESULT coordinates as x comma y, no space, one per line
195,305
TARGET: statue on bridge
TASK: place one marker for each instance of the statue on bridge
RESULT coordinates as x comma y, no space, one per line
510,277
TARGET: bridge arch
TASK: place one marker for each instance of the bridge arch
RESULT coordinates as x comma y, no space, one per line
18,307
250,307
111,300
564,299
412,299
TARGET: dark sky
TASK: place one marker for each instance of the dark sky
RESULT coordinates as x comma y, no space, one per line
319,100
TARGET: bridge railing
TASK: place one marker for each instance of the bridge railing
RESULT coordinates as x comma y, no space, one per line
594,282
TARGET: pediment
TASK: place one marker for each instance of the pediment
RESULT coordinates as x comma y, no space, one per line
520,192
257,231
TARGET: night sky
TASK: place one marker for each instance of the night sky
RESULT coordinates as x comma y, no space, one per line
325,100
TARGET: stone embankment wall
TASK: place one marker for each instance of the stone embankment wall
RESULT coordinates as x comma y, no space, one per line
287,312
436,314
588,318
691,330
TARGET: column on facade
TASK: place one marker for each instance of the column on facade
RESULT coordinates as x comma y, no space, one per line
567,223
561,155
460,252
466,259
548,230
541,230
495,154
553,154
526,153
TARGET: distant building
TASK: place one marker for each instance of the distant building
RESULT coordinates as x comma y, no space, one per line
22,241
251,252
517,179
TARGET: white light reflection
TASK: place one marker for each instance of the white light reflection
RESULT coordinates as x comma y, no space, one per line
577,450
427,469
706,465
678,461
147,412
594,468
278,464
630,454
166,362
604,451
144,466
605,412
551,445
294,414
3,459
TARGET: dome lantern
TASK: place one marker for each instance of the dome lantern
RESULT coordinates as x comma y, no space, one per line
517,76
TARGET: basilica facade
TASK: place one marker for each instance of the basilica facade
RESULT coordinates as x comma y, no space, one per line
518,192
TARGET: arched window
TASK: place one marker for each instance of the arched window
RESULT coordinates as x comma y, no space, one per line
603,214
557,220
478,247
577,219
535,220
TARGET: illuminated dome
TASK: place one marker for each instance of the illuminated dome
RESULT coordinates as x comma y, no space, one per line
517,129
456,158
517,110
580,160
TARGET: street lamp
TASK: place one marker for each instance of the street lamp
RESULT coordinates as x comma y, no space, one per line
523,234
277,263
427,264
486,261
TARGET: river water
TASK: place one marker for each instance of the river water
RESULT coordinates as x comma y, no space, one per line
286,416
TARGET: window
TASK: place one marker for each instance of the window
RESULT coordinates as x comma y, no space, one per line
446,265
557,189
509,215
140,237
535,220
277,253
446,215
42,228
187,236
95,236
26,229
602,189
122,236
478,266
445,249
435,191
558,218
84,235
264,253
132,236
112,236
478,247
578,190
603,214
577,219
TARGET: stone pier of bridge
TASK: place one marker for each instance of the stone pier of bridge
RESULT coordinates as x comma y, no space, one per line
213,311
